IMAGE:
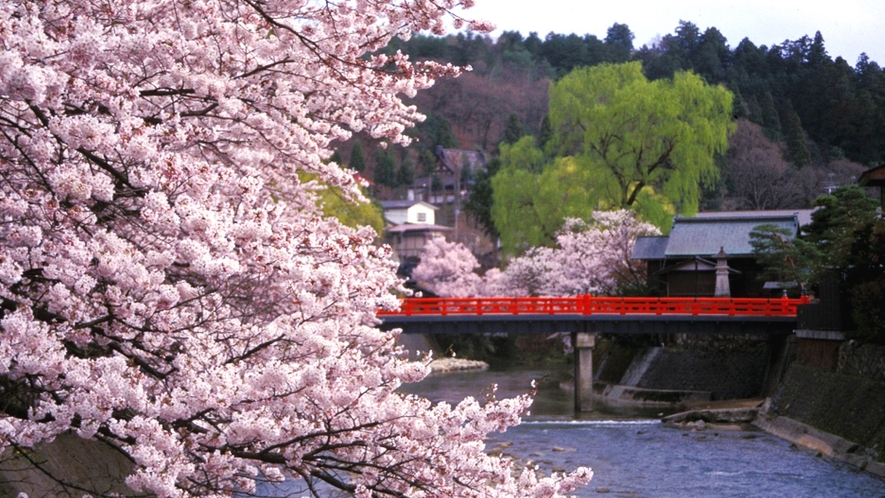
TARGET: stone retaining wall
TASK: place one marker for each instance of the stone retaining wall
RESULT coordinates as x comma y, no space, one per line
866,361
847,406
699,365
726,375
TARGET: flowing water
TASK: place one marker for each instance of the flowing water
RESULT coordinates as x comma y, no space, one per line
633,455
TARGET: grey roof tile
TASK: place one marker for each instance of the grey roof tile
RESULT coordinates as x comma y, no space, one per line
706,235
649,248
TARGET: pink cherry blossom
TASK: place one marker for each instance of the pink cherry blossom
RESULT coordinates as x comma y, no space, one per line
589,257
169,287
448,268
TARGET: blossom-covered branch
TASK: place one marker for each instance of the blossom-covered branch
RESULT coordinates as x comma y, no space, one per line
169,287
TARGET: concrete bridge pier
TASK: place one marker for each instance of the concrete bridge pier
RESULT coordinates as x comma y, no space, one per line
584,343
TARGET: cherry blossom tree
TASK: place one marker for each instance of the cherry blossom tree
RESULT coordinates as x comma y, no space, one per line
170,289
447,268
589,257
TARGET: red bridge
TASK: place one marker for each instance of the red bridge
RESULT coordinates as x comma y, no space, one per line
597,314
589,305
585,316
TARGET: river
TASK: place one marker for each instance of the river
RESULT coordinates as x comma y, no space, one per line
633,455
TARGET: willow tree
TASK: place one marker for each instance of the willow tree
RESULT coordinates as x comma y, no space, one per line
639,144
515,203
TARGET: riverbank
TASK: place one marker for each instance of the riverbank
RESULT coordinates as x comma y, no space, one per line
761,414
827,397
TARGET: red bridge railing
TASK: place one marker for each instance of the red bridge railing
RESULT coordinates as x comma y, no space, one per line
592,305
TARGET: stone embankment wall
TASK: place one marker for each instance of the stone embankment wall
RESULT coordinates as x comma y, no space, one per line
862,361
848,401
722,367
71,466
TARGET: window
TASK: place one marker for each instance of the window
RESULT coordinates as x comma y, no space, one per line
422,217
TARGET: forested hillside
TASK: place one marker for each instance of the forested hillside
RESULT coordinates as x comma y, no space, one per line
804,120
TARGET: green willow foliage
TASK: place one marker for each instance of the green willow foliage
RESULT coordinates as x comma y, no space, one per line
619,142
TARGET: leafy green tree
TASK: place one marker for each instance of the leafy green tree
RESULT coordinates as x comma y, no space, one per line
844,233
436,130
674,53
357,157
711,56
385,168
350,213
770,120
514,198
755,111
868,311
566,52
637,144
466,174
851,233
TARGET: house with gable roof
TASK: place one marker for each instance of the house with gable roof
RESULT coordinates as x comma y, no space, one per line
453,166
684,263
410,225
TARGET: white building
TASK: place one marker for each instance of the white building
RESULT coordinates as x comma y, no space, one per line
411,212
411,224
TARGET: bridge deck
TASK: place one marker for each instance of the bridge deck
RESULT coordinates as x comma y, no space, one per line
636,315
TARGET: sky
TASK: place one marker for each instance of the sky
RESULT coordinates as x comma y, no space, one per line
849,27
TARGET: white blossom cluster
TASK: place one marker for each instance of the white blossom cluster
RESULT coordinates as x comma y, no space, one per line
589,257
448,268
169,288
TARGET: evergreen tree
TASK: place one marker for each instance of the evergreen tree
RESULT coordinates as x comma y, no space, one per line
357,157
755,111
479,205
619,40
770,120
436,183
739,109
514,129
546,132
466,174
794,137
405,175
385,168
